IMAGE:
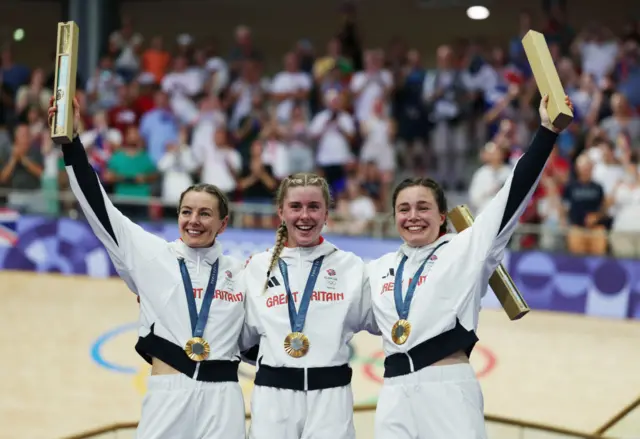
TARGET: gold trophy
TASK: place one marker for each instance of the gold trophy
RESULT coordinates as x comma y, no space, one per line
500,282
547,79
65,81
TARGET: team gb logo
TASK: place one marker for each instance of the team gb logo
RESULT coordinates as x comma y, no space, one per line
331,278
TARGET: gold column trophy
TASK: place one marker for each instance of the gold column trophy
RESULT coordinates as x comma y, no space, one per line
65,81
500,282
547,79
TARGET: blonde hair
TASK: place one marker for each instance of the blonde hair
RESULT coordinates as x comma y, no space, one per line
301,179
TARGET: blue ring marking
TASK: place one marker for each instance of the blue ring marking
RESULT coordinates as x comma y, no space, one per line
96,349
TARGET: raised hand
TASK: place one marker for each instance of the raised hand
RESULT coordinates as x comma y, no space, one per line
76,113
545,121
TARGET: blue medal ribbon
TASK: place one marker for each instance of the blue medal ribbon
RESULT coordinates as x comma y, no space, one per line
199,321
402,306
297,319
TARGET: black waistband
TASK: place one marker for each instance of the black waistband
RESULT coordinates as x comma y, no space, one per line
210,371
293,377
431,351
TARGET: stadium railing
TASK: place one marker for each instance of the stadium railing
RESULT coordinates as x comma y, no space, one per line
49,202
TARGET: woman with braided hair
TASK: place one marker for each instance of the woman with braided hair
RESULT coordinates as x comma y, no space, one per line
304,301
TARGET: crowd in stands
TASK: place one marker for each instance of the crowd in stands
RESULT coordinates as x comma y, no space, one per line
160,115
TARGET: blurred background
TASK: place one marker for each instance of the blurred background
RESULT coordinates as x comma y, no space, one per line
242,93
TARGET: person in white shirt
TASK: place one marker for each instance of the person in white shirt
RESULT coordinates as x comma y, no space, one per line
191,312
221,164
598,49
177,166
290,87
489,178
625,202
608,173
305,299
371,84
182,85
426,301
334,130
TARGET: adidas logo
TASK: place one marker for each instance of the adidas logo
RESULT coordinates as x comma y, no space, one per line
273,282
390,273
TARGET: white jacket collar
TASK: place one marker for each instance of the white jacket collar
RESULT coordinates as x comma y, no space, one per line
420,253
206,254
308,254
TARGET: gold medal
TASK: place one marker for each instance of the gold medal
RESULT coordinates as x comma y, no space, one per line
197,349
296,344
400,331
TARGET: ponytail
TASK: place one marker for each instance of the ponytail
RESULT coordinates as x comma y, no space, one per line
281,237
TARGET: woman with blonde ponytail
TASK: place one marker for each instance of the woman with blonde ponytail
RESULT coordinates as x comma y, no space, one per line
304,300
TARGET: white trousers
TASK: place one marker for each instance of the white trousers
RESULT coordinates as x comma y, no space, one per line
178,407
292,414
437,402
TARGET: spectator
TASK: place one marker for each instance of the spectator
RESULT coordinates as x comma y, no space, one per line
275,152
625,202
132,172
159,127
378,132
290,87
177,166
21,169
356,210
585,209
373,83
607,172
489,178
297,136
623,119
627,72
128,45
210,118
333,129
182,85
101,142
243,90
597,48
243,50
446,94
258,185
221,164
250,126
34,93
156,60
410,114
102,87
124,114
14,75
551,212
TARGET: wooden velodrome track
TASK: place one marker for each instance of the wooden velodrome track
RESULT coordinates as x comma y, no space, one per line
68,363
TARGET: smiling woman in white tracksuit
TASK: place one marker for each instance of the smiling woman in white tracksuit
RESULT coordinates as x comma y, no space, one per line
426,300
190,311
305,299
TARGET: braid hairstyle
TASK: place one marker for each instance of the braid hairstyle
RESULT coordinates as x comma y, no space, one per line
301,179
281,238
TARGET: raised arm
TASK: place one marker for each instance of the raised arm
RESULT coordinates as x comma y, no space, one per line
126,242
494,227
